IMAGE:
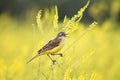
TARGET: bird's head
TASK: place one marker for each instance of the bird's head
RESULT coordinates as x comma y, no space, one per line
61,35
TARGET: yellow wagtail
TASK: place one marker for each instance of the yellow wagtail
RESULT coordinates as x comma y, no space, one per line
52,47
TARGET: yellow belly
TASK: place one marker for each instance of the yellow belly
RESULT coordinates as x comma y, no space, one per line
54,50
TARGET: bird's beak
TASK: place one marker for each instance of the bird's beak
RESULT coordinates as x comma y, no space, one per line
67,35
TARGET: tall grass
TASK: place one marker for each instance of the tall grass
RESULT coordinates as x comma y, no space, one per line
93,56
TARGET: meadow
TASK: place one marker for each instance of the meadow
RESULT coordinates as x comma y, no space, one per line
90,53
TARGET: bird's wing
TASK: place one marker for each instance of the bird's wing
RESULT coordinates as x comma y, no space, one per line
51,44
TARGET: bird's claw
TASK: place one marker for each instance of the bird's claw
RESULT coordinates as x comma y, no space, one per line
54,61
61,54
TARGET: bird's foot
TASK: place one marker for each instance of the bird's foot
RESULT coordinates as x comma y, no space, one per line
54,61
61,54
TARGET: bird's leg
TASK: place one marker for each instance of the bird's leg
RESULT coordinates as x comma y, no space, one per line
51,59
60,54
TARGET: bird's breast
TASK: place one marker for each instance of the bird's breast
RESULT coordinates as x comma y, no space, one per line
57,48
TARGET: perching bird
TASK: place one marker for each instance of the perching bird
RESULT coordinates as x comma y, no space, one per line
52,47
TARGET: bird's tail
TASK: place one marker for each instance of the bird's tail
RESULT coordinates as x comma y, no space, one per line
33,58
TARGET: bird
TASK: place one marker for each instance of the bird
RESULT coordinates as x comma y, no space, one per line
52,47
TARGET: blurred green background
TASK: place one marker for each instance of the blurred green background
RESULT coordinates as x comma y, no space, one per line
93,57
99,10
